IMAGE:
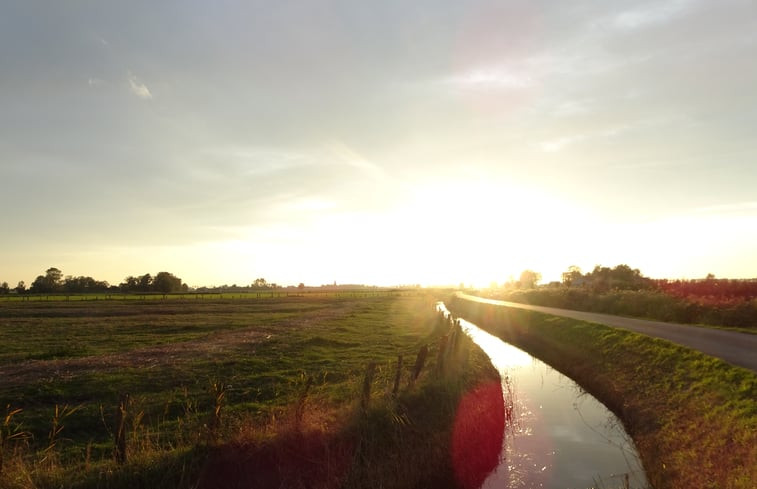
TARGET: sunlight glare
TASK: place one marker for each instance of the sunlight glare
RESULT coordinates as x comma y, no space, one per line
442,232
500,229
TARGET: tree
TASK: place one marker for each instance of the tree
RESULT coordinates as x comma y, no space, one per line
21,287
4,288
301,286
260,283
53,276
40,285
166,283
50,282
84,284
145,283
622,277
529,279
572,276
130,284
599,278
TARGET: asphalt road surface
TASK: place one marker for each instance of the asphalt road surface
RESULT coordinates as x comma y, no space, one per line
733,347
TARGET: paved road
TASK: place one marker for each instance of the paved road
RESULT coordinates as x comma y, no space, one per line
733,347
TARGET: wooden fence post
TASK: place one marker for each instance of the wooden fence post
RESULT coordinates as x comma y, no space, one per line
397,377
440,358
119,452
367,382
420,361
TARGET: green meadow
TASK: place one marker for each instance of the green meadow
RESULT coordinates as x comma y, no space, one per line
167,384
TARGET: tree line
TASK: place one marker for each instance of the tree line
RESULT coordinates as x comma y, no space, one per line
257,285
622,277
625,291
600,279
603,279
54,282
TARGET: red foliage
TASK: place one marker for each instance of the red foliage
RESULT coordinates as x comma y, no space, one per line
715,292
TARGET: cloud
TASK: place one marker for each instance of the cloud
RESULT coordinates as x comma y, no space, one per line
656,13
555,145
138,88
346,155
492,79
569,108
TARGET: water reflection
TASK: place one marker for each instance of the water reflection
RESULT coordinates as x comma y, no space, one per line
557,436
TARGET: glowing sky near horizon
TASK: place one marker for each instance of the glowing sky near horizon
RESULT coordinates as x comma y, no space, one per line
377,142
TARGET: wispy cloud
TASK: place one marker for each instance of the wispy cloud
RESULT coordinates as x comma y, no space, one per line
558,143
138,88
555,145
348,156
492,78
568,108
254,160
655,13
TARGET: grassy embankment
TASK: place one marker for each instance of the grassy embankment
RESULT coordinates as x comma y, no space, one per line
692,417
228,393
647,304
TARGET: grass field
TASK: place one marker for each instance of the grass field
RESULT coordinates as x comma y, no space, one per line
196,369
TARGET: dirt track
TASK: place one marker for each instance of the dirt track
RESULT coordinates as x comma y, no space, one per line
736,348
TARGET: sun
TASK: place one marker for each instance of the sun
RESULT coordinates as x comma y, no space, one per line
473,232
436,232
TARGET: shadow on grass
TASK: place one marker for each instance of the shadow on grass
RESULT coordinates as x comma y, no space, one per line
313,460
436,436
176,469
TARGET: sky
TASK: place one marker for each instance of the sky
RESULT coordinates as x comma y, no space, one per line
392,142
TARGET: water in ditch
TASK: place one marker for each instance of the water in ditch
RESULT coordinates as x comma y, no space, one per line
556,435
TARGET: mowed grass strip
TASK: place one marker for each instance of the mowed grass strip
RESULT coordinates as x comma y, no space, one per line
692,417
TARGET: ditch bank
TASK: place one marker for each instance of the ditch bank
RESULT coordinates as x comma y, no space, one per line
692,417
